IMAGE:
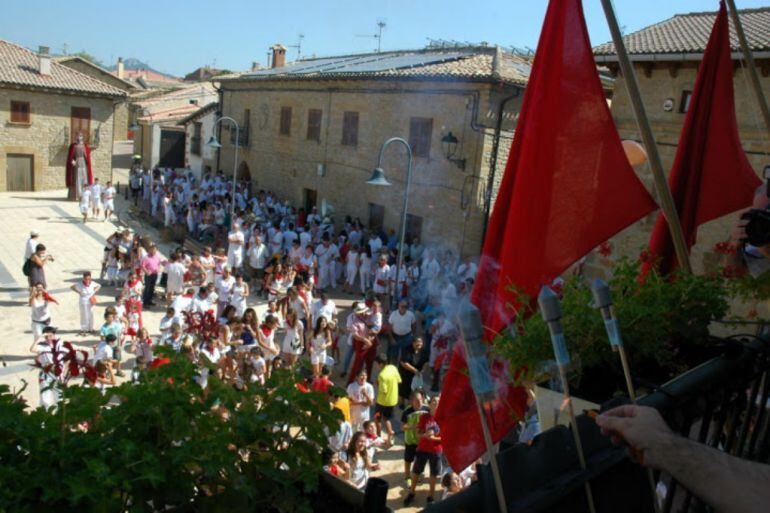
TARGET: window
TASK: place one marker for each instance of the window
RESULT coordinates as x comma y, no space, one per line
376,217
350,128
314,124
80,123
420,132
684,104
20,112
285,121
195,140
413,228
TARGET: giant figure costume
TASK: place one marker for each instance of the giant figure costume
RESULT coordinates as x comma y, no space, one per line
79,171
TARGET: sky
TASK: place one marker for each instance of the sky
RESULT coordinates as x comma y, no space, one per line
178,36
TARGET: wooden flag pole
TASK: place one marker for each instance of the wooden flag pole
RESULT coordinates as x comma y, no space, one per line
750,65
664,193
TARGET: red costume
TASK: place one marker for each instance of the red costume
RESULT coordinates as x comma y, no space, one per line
72,169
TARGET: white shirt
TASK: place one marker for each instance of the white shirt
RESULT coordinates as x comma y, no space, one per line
108,193
103,352
359,413
235,248
85,198
304,239
225,287
181,304
328,310
201,305
30,248
326,255
258,256
96,192
86,291
401,324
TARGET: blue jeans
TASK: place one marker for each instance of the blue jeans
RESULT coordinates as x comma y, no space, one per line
348,358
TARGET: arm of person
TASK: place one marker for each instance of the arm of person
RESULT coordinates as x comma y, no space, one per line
727,483
409,367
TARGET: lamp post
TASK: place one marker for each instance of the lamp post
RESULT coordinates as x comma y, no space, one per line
378,178
213,143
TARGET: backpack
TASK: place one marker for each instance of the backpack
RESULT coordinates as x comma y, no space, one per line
26,267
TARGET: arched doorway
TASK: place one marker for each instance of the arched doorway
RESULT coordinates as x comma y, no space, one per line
244,174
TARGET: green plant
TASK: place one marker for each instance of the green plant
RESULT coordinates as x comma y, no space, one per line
659,317
165,443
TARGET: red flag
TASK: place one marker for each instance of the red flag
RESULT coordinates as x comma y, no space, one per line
711,175
567,188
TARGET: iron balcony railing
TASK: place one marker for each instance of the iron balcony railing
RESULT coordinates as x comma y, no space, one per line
722,403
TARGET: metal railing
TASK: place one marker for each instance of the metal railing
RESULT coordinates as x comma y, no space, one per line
722,403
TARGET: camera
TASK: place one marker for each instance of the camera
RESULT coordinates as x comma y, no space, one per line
758,227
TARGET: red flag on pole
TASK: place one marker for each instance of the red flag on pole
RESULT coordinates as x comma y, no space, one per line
711,175
567,188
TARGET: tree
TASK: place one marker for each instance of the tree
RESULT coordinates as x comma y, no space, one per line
166,443
90,58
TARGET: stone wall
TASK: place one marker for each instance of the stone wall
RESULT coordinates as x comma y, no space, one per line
659,83
449,199
46,138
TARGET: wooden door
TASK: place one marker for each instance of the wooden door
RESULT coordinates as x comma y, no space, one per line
19,173
80,123
171,149
376,217
311,199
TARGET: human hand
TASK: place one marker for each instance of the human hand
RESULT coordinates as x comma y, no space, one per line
642,428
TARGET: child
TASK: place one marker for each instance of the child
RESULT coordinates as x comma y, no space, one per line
133,318
258,365
85,201
451,483
323,382
141,346
112,267
373,440
334,465
321,341
137,373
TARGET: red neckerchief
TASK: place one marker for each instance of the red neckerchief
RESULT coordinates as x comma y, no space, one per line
266,331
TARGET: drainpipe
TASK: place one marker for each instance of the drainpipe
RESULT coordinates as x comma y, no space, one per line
493,161
218,115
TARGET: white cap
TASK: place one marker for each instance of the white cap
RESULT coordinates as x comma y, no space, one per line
34,233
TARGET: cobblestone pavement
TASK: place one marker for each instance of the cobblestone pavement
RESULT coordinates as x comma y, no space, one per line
77,247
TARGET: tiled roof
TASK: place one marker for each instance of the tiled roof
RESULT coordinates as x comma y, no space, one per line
211,107
76,58
473,64
176,104
689,33
19,67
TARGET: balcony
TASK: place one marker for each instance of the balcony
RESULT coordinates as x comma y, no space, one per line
722,403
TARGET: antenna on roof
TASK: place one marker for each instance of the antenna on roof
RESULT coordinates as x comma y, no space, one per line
378,36
298,46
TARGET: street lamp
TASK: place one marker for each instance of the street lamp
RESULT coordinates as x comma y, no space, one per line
378,178
214,143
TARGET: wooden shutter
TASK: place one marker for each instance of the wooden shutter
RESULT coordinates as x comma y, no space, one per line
420,134
285,121
314,124
20,112
350,128
80,123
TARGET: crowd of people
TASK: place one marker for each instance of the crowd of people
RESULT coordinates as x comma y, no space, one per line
264,281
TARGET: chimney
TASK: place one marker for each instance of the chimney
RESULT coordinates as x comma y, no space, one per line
254,66
279,56
44,61
121,68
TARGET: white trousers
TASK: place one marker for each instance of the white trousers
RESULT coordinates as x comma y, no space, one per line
326,276
366,278
86,316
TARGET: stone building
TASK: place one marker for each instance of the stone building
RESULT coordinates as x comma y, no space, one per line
43,106
311,131
666,57
199,127
120,117
158,137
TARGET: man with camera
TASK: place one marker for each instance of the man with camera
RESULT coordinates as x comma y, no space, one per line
751,236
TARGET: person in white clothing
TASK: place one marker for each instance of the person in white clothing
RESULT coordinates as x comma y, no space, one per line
236,242
351,268
174,277
183,303
41,314
381,276
87,290
257,260
208,263
361,395
321,341
224,288
323,307
49,380
85,202
327,254
238,294
108,195
32,242
293,341
96,198
365,269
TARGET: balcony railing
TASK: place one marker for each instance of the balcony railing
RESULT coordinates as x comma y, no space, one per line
721,403
243,137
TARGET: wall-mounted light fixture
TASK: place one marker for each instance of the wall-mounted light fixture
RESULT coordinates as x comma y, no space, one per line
449,143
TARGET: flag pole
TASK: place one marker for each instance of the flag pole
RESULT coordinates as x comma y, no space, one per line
550,309
750,65
656,165
603,301
472,334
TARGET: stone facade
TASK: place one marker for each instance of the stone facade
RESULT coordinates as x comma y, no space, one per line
120,117
205,160
667,81
47,137
449,200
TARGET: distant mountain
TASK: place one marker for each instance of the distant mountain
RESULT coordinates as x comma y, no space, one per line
135,64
